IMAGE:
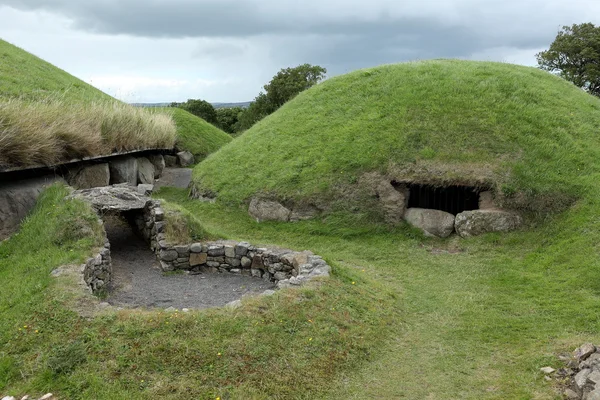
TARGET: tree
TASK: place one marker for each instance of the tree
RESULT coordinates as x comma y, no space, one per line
575,55
199,108
290,81
227,118
282,88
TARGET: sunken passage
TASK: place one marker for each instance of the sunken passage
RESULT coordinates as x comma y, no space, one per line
451,199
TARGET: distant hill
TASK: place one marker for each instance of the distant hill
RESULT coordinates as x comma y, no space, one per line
150,104
244,104
195,134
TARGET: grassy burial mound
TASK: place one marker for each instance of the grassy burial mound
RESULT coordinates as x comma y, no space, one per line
528,135
48,116
195,134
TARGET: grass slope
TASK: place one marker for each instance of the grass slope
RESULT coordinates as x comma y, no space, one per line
400,318
48,116
530,131
289,345
196,135
25,76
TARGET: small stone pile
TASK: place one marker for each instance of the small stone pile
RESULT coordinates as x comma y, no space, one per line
47,396
582,373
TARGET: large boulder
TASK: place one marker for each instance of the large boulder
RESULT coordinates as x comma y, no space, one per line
17,199
90,176
432,222
185,158
159,164
268,210
145,171
478,222
392,200
124,170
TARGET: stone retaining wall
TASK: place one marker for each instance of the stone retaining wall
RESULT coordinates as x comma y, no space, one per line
282,266
285,267
97,270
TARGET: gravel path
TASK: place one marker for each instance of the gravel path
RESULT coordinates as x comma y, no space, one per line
175,177
139,282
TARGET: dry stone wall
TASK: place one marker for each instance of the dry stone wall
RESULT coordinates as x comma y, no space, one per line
284,267
97,270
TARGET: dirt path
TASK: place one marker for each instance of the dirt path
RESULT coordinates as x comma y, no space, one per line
175,177
139,282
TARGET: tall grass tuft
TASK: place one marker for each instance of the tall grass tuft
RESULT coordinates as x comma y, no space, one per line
53,131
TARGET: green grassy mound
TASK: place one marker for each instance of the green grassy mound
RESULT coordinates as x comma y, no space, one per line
48,116
517,129
25,76
196,135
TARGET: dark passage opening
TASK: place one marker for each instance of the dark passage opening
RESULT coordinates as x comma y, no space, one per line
452,199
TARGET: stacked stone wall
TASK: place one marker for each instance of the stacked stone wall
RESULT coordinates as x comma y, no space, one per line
281,266
97,270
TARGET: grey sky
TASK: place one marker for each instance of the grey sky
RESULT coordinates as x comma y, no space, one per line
225,50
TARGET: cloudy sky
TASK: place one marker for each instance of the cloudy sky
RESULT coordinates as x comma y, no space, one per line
225,50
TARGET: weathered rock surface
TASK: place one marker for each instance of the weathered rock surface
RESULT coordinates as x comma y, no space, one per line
90,176
268,210
393,201
478,222
432,222
17,199
159,164
581,373
113,198
47,396
170,161
124,170
303,213
145,171
146,189
185,158
486,200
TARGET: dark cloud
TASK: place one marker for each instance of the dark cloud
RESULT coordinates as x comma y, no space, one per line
342,35
244,18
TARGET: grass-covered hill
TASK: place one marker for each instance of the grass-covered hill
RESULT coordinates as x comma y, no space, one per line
195,134
48,116
517,129
25,76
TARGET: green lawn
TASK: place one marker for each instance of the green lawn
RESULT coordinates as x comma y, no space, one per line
396,319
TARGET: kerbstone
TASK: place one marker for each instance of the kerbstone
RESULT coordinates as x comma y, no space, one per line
478,222
268,210
431,222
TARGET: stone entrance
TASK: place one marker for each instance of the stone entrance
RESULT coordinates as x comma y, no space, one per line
149,270
451,199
